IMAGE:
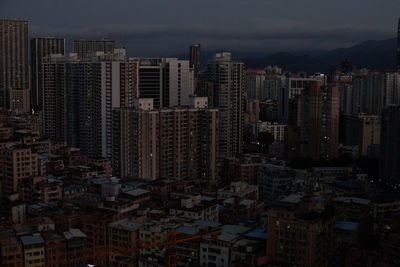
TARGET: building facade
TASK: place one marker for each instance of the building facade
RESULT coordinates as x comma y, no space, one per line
20,162
363,131
227,81
300,237
175,142
313,129
84,48
166,80
40,48
390,144
14,67
79,96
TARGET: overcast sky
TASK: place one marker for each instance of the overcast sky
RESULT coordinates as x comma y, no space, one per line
165,27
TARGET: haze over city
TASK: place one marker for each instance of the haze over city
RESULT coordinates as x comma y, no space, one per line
159,27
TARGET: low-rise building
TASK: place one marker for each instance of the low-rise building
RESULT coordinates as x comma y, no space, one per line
56,249
240,191
76,247
274,181
216,251
195,208
34,250
123,243
301,233
11,251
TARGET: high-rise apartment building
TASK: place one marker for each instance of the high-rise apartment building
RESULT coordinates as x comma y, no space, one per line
398,47
390,144
165,80
322,120
195,61
171,142
289,89
40,48
314,122
54,92
264,84
226,81
85,48
363,131
374,91
79,96
195,58
14,67
135,138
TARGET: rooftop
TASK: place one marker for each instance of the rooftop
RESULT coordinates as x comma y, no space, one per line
231,232
31,239
126,224
136,192
355,200
257,233
73,232
347,226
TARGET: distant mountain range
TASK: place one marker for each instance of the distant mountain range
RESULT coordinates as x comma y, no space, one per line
368,54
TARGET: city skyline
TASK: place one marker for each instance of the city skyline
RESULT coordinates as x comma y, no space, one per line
230,25
120,145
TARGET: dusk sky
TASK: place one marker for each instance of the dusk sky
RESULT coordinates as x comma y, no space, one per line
165,27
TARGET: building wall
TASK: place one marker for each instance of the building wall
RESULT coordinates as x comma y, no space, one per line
14,67
19,163
178,142
227,79
84,48
390,144
40,48
214,253
294,241
34,255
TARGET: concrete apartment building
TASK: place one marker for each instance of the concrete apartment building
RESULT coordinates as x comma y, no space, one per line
166,80
14,66
155,231
226,81
390,144
194,208
40,48
314,123
19,162
278,130
216,251
364,131
34,250
84,48
195,63
274,181
79,95
123,243
300,236
76,247
11,251
173,142
290,88
55,249
244,169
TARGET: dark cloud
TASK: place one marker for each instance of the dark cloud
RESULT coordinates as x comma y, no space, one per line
168,26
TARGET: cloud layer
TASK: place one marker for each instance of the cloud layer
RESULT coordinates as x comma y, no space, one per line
162,27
